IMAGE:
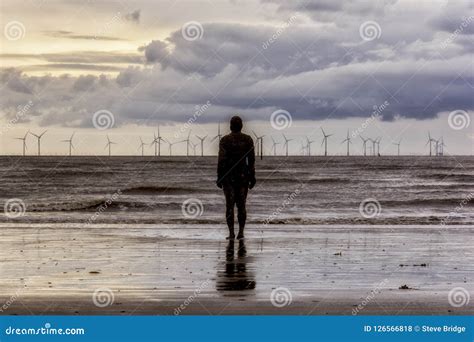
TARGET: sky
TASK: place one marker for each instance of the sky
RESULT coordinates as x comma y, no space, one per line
390,69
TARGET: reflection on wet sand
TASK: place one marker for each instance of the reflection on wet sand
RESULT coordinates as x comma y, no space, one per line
233,275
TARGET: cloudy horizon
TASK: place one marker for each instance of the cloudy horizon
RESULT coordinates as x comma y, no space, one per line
394,69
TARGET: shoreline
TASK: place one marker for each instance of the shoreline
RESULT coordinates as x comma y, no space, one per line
154,270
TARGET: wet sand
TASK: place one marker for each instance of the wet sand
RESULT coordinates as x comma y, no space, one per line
191,269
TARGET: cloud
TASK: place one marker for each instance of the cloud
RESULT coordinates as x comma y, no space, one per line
133,16
315,70
71,35
94,57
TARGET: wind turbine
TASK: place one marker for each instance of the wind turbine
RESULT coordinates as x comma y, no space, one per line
377,141
429,141
398,146
286,143
24,142
109,144
157,139
348,139
274,146
39,140
194,145
303,148
142,146
364,141
325,141
173,143
374,142
437,146
219,135
441,152
308,144
71,145
259,144
188,142
202,143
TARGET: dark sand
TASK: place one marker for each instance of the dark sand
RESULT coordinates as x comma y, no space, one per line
47,269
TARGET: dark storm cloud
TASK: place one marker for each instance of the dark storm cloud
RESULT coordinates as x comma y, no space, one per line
313,68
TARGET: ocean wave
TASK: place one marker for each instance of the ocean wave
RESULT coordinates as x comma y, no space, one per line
94,205
464,177
423,202
158,190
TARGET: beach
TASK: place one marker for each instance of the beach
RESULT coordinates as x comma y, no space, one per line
151,270
116,238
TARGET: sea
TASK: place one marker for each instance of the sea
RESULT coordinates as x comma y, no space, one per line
97,190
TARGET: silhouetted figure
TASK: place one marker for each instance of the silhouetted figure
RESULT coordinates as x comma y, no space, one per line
236,173
235,276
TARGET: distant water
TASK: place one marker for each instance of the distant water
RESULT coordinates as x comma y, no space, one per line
297,190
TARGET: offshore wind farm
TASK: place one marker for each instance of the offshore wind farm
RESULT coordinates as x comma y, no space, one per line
434,147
